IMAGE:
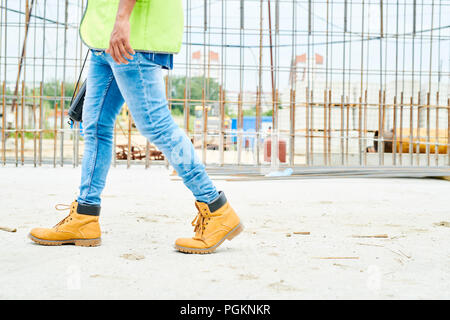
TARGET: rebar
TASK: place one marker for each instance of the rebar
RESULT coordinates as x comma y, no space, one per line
310,83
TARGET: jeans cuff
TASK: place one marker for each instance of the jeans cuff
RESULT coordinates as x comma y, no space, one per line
90,210
218,203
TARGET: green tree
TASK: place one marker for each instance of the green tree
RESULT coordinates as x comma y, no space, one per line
52,90
177,85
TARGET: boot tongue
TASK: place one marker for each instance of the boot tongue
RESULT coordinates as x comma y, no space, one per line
202,207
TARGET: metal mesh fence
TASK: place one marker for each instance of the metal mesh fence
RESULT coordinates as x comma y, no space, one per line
257,83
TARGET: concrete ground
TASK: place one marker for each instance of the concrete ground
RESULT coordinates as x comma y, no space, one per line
145,210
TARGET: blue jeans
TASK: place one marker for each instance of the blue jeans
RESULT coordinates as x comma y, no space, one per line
140,84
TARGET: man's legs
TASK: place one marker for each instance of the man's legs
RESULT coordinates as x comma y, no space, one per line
141,84
102,104
101,107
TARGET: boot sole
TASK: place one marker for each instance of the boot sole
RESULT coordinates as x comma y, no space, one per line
78,242
230,236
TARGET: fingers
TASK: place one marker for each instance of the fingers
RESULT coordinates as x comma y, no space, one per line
119,56
115,54
124,52
118,52
111,52
129,48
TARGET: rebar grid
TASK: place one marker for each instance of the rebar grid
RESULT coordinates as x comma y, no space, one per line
258,83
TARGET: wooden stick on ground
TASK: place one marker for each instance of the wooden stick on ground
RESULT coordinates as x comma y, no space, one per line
379,236
335,258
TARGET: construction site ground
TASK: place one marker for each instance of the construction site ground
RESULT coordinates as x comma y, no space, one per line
315,238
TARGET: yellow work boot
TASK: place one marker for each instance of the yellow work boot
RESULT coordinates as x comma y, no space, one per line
78,229
213,224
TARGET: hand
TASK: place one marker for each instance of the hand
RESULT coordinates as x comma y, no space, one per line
119,44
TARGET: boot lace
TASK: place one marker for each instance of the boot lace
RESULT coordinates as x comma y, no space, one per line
201,221
64,207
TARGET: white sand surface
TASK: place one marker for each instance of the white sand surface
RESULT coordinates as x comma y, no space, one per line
144,211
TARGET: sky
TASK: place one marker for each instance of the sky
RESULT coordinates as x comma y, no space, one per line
241,46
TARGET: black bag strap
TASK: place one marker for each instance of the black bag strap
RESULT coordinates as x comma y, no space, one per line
79,77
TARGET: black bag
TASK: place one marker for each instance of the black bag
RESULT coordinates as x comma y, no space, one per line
77,102
76,107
